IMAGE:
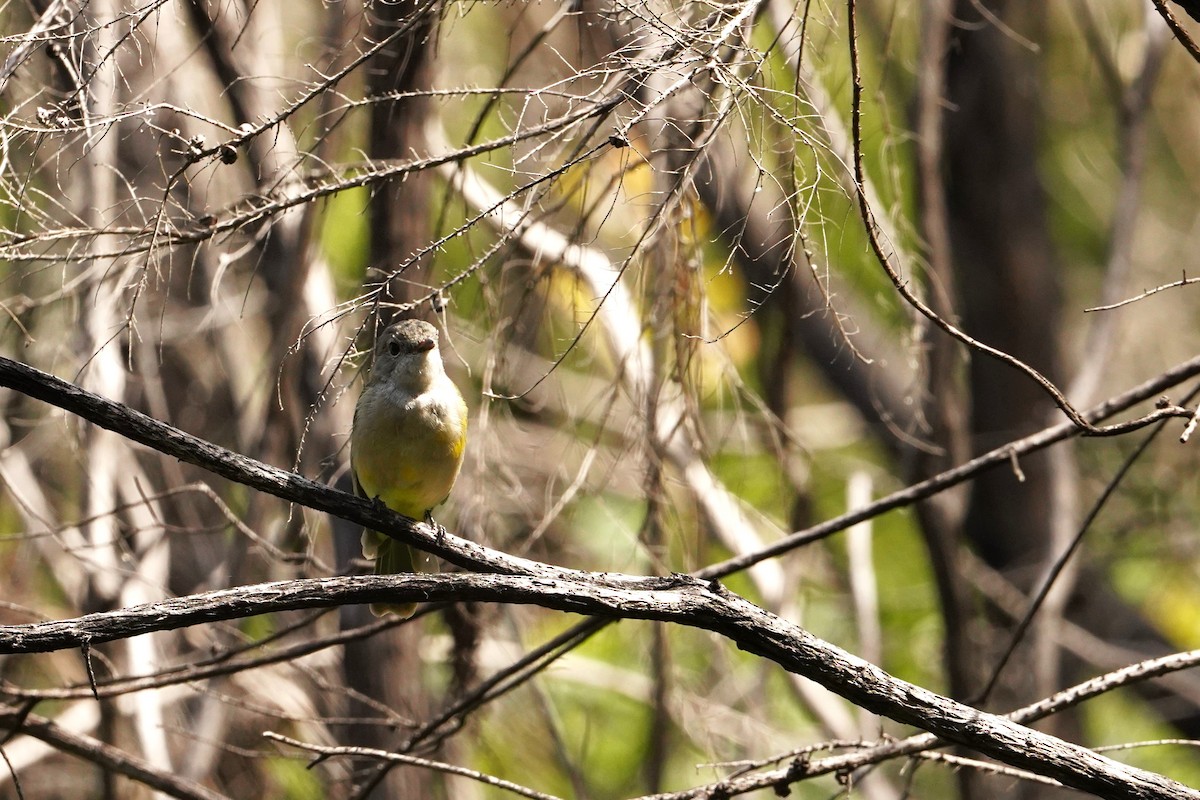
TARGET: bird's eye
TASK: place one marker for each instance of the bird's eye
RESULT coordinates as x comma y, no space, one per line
394,348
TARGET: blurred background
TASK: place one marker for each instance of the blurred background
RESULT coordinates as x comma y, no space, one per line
637,226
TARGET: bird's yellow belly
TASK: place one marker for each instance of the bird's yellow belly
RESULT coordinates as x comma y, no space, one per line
408,458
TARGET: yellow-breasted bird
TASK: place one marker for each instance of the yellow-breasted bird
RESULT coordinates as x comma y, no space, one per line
406,447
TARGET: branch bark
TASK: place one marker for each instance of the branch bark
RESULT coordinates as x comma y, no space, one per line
16,720
289,486
678,599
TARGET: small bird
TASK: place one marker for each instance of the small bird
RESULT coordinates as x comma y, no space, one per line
406,446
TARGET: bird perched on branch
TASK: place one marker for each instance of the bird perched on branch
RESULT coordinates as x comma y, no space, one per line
406,446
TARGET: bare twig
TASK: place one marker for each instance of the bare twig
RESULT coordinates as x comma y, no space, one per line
1056,569
399,758
1190,427
104,755
196,672
1000,455
504,680
1134,104
985,766
1184,281
863,757
901,283
1187,41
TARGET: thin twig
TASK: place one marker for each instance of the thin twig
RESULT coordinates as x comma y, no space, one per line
986,766
849,762
105,756
1184,281
1188,43
212,668
1134,104
900,283
294,488
1190,427
400,758
1056,569
955,475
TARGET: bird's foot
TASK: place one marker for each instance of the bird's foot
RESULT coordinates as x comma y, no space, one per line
439,531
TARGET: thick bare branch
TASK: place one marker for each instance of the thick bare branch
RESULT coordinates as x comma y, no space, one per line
289,486
678,599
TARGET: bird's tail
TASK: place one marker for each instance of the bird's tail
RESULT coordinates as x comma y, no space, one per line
391,558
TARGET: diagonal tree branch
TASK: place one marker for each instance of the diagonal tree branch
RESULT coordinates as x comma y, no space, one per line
289,486
678,599
681,599
1178,30
286,485
16,720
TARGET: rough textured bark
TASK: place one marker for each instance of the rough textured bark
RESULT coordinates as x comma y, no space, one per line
138,427
696,601
678,598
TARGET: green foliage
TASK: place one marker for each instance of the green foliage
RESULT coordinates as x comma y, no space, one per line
294,779
345,238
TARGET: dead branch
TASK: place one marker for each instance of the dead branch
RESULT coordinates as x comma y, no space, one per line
677,599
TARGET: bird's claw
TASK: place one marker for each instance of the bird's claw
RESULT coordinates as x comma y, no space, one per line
439,531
